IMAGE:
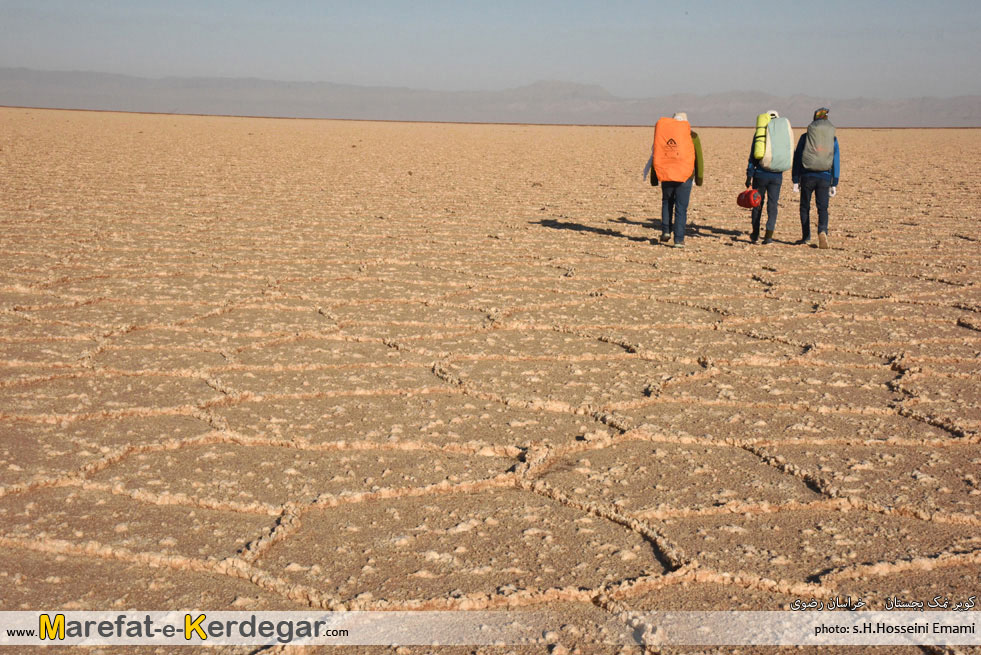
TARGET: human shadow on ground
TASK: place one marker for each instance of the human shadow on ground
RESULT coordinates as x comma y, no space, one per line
579,227
720,232
742,235
692,229
626,221
696,229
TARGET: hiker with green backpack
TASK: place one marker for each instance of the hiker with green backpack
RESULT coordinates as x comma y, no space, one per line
770,155
817,164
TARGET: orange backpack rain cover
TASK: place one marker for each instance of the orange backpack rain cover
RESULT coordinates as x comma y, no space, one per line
674,151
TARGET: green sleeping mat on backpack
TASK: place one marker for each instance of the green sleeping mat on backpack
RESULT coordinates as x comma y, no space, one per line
759,138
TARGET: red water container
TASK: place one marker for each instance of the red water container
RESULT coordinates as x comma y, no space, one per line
749,198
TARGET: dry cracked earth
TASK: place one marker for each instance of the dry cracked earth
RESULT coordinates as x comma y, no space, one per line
281,365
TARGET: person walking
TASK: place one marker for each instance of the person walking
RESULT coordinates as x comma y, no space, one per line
817,165
676,160
769,157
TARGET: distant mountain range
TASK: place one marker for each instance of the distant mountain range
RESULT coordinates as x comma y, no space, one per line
541,102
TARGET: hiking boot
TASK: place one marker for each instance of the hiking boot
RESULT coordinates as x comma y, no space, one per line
665,237
802,242
823,241
678,245
755,236
768,237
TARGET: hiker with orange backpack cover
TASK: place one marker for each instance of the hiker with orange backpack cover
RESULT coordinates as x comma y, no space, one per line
676,160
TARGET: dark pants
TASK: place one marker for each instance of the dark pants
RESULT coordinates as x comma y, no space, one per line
819,188
674,204
769,191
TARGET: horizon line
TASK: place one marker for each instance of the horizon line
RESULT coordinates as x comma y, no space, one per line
434,122
485,90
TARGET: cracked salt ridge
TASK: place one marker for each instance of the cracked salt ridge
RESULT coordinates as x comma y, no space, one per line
68,584
446,419
119,521
560,385
728,423
810,543
106,313
442,549
101,393
254,472
648,479
505,343
319,351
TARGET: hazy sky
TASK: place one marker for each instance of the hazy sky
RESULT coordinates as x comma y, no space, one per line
827,48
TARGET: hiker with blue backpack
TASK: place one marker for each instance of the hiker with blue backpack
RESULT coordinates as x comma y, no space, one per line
770,155
817,164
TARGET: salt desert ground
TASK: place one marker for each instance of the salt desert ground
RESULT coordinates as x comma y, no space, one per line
258,364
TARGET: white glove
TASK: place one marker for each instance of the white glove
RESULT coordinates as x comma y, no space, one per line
833,191
796,188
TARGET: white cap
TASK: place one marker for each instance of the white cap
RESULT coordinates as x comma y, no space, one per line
681,116
773,113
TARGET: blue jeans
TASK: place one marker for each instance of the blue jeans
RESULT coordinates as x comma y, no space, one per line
819,188
769,191
674,203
